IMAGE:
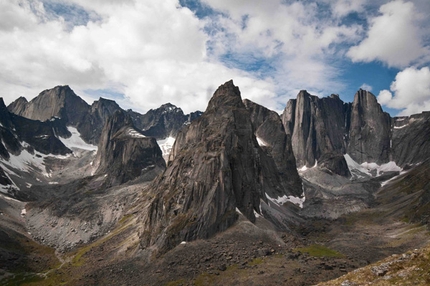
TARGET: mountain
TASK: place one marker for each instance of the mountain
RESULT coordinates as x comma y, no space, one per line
316,126
244,195
271,136
163,122
218,170
124,153
361,129
62,103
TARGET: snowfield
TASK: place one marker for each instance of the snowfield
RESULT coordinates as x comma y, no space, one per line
75,141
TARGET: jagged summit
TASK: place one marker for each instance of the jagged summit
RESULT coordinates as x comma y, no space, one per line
217,167
227,95
60,101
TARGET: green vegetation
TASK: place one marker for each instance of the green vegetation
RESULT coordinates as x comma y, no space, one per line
318,250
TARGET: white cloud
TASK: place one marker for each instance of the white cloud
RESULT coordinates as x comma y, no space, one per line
411,90
367,87
156,51
300,43
394,37
342,8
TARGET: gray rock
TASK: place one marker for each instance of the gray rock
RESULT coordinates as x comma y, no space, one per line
410,139
316,125
216,167
124,153
270,130
369,134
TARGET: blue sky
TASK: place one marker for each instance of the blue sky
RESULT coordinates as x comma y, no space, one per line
146,53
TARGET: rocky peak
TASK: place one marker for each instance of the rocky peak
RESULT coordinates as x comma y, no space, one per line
124,153
18,106
369,135
316,125
217,167
227,95
162,122
59,101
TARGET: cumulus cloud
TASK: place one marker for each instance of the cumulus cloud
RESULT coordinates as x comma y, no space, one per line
411,90
151,52
300,43
367,87
394,37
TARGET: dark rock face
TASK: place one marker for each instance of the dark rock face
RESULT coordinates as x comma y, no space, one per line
334,163
321,126
92,124
62,103
162,122
369,134
316,125
124,153
410,139
217,167
40,136
270,130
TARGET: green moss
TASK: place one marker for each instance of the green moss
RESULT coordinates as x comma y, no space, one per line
204,279
318,250
256,261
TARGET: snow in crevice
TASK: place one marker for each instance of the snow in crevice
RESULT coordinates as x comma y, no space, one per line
75,141
261,142
166,145
400,127
134,133
292,199
304,168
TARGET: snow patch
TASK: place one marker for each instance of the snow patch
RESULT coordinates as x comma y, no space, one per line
166,145
23,212
387,167
304,168
261,142
400,127
282,200
134,133
75,141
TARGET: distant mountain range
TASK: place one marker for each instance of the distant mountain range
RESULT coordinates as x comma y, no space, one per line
76,177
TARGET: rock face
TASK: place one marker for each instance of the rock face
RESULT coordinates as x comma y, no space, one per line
334,163
62,103
410,139
272,138
124,153
39,136
164,121
316,125
59,102
327,125
98,114
217,167
369,134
